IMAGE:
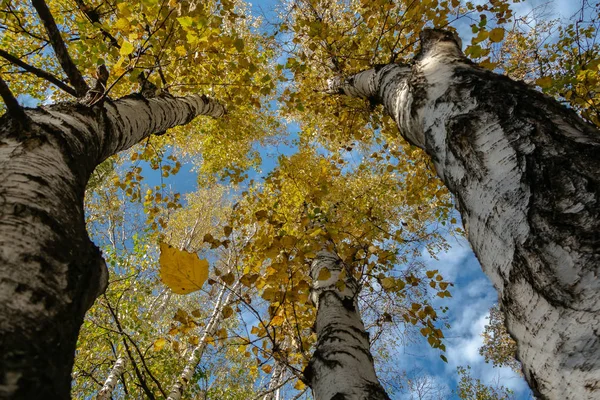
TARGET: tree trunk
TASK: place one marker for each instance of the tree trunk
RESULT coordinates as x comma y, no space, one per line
525,172
111,381
342,365
50,271
276,382
211,327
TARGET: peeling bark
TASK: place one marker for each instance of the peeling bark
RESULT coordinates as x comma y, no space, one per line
341,367
525,172
50,271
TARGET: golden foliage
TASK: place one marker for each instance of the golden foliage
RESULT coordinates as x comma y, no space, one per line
181,271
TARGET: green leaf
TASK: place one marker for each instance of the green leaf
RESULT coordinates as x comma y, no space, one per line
185,22
126,48
239,44
544,82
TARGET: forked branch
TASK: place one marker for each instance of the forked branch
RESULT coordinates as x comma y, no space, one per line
60,48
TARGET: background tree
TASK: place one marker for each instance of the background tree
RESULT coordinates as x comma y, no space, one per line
498,347
507,254
358,215
50,270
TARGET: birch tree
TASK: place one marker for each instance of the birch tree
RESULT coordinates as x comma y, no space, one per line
342,364
356,232
50,271
111,380
525,178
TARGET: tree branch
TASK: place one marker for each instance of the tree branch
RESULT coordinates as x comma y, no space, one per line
12,105
60,49
94,17
140,377
38,72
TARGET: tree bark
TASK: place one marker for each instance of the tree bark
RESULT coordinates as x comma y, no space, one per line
525,172
341,367
50,271
111,381
276,381
213,324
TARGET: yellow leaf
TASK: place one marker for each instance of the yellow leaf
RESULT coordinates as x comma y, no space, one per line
181,50
159,344
194,340
239,44
122,24
277,320
544,82
186,21
248,279
299,385
474,51
227,312
266,368
126,48
324,274
496,35
260,215
123,8
181,271
228,278
288,241
387,283
316,232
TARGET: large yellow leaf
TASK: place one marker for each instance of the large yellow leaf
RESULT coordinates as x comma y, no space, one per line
159,344
496,35
181,271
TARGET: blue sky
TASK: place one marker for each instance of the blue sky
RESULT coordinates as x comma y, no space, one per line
473,293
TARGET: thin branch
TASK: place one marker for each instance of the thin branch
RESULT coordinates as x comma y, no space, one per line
94,17
141,379
40,73
12,105
60,48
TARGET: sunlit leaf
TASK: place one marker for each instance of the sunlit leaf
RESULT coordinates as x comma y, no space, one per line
181,271
159,344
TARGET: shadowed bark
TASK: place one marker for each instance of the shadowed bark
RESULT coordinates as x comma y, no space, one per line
525,172
50,271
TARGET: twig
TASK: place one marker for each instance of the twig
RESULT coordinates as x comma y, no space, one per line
38,72
94,17
12,105
60,49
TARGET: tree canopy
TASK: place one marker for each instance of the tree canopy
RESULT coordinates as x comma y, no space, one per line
209,228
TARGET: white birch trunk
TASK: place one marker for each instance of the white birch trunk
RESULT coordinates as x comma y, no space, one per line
211,327
525,172
111,381
342,365
276,381
50,271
